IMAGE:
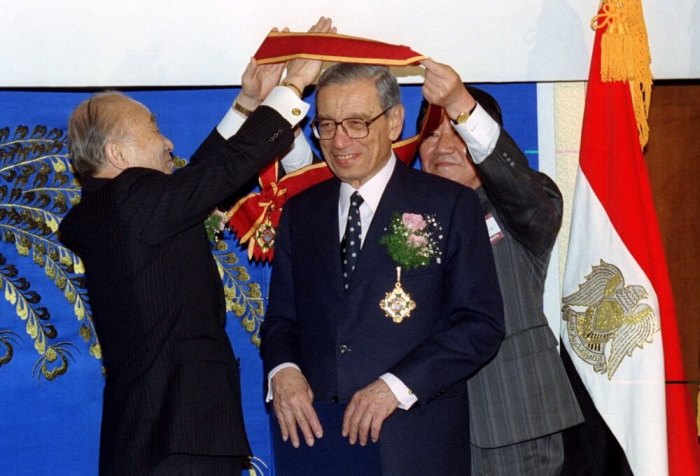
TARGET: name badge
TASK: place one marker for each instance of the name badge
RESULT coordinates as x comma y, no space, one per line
495,233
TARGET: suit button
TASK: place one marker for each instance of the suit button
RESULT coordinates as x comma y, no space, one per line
344,349
335,399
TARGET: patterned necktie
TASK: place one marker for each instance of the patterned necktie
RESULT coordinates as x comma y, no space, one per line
350,246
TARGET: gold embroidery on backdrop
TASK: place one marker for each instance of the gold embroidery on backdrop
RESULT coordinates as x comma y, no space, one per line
243,298
258,466
611,314
36,188
7,339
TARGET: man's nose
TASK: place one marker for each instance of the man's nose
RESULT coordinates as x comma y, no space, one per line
446,144
169,144
341,138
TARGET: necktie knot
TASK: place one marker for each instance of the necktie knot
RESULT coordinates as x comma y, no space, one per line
355,201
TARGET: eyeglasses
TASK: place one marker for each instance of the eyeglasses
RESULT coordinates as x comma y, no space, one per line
354,127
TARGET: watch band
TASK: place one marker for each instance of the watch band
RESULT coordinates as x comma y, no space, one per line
241,109
462,118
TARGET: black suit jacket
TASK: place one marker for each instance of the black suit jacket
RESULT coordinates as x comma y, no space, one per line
342,341
172,383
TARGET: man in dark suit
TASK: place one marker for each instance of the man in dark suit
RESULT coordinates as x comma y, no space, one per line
396,364
521,401
172,402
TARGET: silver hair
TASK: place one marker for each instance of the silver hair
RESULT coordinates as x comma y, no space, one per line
94,122
344,73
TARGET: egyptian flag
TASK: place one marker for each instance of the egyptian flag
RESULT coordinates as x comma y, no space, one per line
619,326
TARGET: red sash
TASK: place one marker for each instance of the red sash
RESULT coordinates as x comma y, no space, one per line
255,217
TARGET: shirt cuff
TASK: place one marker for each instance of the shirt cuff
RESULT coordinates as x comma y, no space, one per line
402,393
273,372
480,132
230,124
299,155
283,100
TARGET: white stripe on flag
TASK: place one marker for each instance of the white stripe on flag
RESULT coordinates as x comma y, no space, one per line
628,387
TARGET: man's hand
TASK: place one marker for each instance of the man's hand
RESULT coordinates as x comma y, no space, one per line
302,72
258,81
292,399
367,411
443,87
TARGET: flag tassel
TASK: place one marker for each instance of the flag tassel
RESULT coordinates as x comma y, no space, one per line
625,55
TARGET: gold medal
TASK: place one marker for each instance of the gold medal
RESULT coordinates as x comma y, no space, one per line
397,304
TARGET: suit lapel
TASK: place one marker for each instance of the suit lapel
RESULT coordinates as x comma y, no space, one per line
392,202
324,227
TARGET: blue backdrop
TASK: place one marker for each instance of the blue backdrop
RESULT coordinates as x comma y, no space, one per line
50,373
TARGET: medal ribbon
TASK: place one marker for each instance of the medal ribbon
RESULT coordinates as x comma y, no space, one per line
255,217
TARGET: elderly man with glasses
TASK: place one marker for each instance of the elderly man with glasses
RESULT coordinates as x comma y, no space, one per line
383,299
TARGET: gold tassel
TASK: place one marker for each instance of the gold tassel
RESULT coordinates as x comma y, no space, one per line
625,54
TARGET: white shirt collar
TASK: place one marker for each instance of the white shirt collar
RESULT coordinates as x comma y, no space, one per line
371,191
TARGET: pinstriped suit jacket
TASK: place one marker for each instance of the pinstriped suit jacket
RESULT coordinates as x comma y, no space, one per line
524,392
172,382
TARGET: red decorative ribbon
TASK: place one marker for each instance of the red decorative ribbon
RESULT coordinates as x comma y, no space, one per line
255,217
282,46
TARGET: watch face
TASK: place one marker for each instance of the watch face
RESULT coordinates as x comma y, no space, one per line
462,118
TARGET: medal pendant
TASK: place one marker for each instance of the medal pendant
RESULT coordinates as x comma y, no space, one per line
397,304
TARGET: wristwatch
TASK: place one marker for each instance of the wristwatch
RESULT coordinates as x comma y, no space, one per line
462,118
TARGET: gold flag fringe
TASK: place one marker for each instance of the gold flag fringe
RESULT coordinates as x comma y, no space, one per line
625,54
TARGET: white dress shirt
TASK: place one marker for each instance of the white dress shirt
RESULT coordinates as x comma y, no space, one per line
480,132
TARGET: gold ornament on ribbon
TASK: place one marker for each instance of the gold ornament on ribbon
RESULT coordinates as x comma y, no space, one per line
397,304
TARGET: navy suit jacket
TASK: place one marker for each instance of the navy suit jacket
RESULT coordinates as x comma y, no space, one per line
342,341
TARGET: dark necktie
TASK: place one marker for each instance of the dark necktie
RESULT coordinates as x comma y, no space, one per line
350,246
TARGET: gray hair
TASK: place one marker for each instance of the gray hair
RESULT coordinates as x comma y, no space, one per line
344,73
94,122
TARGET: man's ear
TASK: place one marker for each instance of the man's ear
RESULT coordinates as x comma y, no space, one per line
114,155
396,121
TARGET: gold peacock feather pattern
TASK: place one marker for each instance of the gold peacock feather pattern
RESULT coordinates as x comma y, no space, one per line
37,187
243,297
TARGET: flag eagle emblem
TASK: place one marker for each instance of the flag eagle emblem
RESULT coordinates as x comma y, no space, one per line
609,313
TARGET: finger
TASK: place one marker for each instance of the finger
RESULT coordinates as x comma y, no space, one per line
283,425
251,66
427,63
249,71
314,422
326,25
285,29
376,428
347,418
322,24
355,422
275,29
291,423
364,427
304,426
